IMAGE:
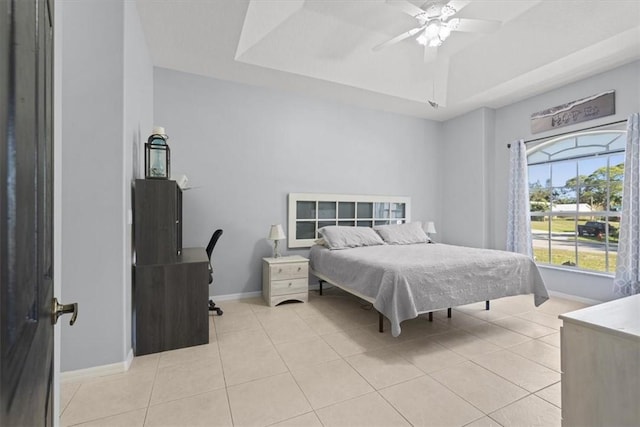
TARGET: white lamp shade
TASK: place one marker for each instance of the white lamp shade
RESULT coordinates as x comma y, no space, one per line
431,228
276,232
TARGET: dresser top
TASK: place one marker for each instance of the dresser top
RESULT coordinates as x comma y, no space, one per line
621,317
285,259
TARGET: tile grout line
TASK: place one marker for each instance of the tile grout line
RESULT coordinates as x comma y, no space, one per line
226,386
461,397
546,400
306,398
153,384
517,385
224,377
70,399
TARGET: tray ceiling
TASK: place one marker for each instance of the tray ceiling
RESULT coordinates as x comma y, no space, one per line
324,48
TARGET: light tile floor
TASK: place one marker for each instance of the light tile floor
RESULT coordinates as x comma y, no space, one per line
323,363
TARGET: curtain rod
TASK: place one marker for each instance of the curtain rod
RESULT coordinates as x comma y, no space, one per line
574,131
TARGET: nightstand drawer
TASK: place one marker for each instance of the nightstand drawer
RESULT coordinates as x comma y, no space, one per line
290,271
293,286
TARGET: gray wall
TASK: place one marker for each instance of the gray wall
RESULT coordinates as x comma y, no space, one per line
467,154
138,124
512,122
101,84
245,148
475,166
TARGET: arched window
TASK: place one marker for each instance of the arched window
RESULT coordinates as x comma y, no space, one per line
575,189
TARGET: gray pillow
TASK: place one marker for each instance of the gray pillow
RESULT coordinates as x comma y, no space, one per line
402,234
341,237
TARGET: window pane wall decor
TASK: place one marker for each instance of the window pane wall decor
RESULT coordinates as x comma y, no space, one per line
309,212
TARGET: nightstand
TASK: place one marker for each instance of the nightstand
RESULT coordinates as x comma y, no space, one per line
285,278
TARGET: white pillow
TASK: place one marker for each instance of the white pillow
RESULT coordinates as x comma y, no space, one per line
402,234
341,237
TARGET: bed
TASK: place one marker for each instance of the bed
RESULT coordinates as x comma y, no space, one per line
403,281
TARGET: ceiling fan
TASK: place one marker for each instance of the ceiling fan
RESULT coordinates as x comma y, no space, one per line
435,24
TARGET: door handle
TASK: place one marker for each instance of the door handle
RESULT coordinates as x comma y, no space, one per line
58,310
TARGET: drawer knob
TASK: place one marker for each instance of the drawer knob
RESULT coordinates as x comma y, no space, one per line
299,268
290,284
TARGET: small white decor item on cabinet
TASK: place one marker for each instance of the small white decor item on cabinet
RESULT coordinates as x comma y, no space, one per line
430,229
183,182
276,233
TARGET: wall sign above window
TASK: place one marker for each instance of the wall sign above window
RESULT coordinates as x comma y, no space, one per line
582,110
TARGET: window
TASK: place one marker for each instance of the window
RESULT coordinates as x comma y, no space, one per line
309,212
575,190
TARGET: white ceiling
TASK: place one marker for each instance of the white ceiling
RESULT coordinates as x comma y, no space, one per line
323,48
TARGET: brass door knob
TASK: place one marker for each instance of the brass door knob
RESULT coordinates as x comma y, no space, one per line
58,310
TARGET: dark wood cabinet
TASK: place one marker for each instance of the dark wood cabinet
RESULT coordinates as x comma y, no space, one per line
157,221
170,287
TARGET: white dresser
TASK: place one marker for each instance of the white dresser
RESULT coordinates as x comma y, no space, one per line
285,278
600,361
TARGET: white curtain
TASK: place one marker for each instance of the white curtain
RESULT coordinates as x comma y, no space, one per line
627,280
518,215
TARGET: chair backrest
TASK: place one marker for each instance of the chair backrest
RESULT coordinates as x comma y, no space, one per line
212,243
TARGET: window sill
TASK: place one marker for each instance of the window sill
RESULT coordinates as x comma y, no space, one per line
575,270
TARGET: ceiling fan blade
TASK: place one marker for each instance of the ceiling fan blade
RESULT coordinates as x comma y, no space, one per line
430,54
406,7
457,5
399,38
474,25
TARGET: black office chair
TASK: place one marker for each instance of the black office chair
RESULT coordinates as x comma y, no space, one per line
212,243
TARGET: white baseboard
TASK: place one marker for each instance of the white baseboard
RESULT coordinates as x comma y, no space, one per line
243,295
232,297
128,360
97,371
574,298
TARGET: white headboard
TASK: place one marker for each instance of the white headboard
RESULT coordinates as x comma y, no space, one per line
310,211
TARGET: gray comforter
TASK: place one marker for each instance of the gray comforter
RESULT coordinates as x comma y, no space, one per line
406,280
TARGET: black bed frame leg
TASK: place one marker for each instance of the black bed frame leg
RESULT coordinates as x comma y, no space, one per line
320,282
431,316
486,305
380,323
449,312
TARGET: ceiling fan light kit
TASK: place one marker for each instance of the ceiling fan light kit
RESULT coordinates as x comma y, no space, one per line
436,32
447,11
434,23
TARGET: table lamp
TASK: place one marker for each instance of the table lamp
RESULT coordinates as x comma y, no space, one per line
431,229
276,233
